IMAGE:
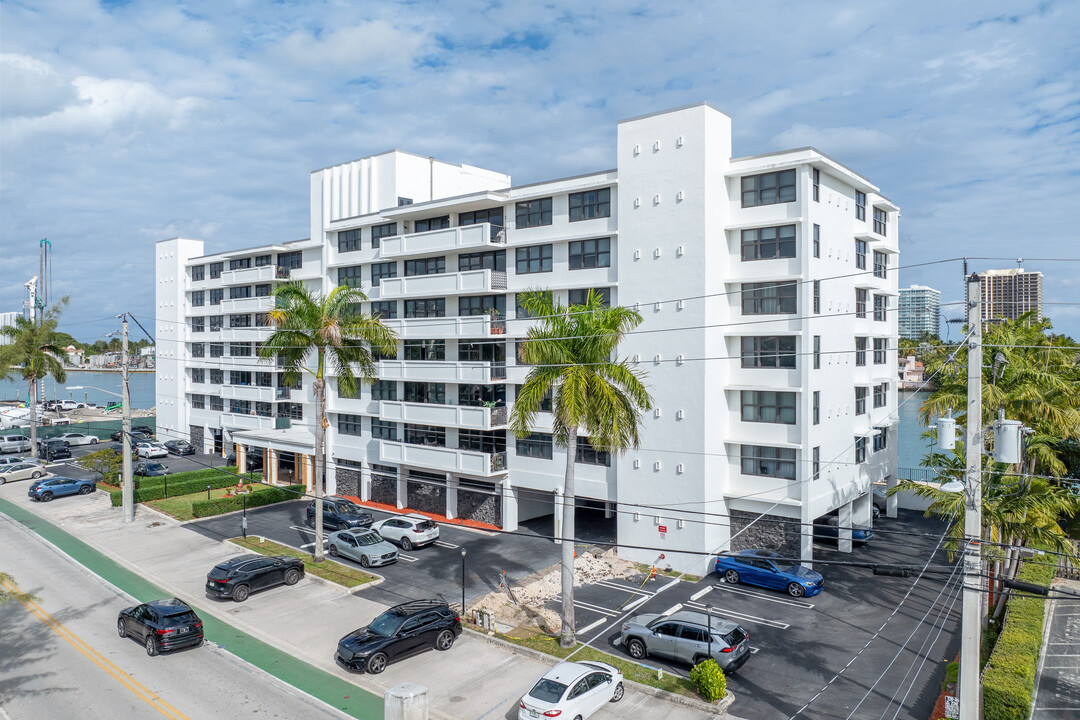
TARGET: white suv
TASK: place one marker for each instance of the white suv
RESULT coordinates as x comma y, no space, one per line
408,531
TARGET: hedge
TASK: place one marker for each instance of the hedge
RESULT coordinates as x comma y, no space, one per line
153,488
1009,676
206,508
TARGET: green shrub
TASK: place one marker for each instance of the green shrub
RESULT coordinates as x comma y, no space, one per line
153,488
206,508
709,679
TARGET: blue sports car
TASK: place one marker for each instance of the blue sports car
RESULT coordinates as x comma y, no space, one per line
767,569
46,490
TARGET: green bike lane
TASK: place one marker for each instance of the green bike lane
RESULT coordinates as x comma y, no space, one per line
320,684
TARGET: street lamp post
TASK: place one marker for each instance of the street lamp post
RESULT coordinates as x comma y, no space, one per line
462,582
708,613
243,522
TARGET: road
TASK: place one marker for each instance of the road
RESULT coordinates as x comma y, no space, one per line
64,659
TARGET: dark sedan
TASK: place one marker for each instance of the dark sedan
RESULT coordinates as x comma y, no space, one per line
340,513
828,528
161,625
238,577
46,490
180,447
401,631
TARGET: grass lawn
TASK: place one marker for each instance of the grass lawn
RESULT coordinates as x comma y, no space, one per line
180,505
328,570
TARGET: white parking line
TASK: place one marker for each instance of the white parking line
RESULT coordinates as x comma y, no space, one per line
407,558
625,588
754,650
673,609
452,546
634,604
593,608
590,626
701,592
764,596
725,613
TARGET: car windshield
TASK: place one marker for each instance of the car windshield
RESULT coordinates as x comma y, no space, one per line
178,620
782,565
734,637
368,538
154,466
386,624
348,508
548,690
425,525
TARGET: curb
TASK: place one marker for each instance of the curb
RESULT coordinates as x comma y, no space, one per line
345,590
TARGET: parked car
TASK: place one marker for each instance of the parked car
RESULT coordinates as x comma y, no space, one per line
161,625
15,444
881,502
238,577
70,405
144,433
828,528
572,690
77,439
17,460
150,469
151,450
20,471
340,513
408,531
364,546
253,459
45,490
765,568
684,636
52,450
401,631
180,447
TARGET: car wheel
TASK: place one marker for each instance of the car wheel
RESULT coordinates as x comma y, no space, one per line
46,496
731,576
36,475
343,526
636,648
121,628
406,543
310,521
444,640
85,490
795,590
334,550
698,659
151,646
292,577
2,481
93,441
240,593
376,663
617,695
364,562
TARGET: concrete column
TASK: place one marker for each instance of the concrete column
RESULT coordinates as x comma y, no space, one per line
509,506
407,701
270,469
451,497
402,489
609,510
843,541
309,473
241,458
558,515
893,501
365,483
862,510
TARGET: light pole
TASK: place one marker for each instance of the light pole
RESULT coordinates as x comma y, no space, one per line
126,484
708,612
462,583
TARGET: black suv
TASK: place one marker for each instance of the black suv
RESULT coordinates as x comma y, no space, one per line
401,631
238,577
161,625
139,433
53,450
340,513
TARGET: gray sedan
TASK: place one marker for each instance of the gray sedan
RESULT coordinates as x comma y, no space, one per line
364,546
684,636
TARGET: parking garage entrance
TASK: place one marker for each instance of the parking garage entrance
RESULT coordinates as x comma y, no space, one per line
595,521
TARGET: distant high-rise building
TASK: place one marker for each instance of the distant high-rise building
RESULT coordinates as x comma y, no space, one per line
918,311
6,319
1011,293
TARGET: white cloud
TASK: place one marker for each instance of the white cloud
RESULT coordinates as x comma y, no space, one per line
29,87
359,50
841,143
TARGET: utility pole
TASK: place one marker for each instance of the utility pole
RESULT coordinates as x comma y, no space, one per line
126,490
971,619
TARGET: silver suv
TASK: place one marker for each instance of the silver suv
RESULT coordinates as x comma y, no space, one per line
15,443
684,636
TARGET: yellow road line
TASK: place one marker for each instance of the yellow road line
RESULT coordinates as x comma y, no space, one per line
138,689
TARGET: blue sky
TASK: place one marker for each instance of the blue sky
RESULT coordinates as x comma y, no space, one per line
124,123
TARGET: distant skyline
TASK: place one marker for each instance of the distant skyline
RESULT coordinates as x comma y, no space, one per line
125,123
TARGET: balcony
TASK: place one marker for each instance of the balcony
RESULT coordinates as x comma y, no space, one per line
459,283
247,276
468,462
471,326
247,305
467,371
249,421
248,334
283,393
467,237
865,231
255,393
459,416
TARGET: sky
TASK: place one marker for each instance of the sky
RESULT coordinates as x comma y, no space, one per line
125,123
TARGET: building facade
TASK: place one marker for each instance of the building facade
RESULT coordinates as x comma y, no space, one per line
919,312
1008,294
768,341
7,319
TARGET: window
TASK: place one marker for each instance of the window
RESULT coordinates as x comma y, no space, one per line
240,349
425,435
386,309
771,351
291,410
216,295
384,390
768,461
881,439
240,264
239,377
881,264
382,270
768,189
425,350
430,393
217,403
817,407
491,260
817,352
378,232
860,351
481,305
520,310
198,324
404,201
198,375
428,307
590,204
291,260
263,290
817,297
239,293
383,430
217,376
264,409
533,213
349,276
815,467
586,254
768,243
263,260
482,351
581,296
435,223
769,298
264,379
486,441
860,254
881,219
242,320
817,241
545,404
217,350
535,445
425,266
860,303
817,185
491,215
198,350
589,455
477,395
349,424
881,347
198,401
533,259
768,406
198,298
881,395
343,393
348,240
198,272
860,205
215,270
860,450
240,407
881,306
860,400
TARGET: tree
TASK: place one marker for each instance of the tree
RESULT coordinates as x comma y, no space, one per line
336,332
32,355
107,462
571,349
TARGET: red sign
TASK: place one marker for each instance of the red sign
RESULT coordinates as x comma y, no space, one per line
662,528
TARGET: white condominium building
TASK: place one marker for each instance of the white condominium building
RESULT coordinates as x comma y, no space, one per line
919,311
768,339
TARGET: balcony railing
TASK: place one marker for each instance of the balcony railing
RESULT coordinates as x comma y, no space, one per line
498,461
498,369
282,273
498,234
283,393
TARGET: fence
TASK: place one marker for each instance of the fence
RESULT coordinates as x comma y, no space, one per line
1066,569
102,429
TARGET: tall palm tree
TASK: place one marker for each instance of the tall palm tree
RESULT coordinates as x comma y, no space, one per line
333,330
31,354
572,349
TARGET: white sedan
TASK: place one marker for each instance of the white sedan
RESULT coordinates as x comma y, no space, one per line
77,439
572,690
408,531
151,450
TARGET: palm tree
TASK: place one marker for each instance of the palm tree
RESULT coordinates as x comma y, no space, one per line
336,332
572,350
31,354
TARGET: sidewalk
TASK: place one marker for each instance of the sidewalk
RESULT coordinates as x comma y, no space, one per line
475,679
1057,685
